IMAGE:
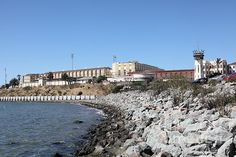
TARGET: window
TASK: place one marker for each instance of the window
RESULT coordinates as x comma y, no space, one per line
125,72
118,72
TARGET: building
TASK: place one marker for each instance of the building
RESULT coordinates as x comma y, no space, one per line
29,78
215,66
124,68
232,68
205,68
188,74
133,77
80,75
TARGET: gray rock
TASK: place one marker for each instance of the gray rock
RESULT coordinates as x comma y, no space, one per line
233,112
133,151
195,127
171,149
217,135
154,134
195,150
227,149
176,138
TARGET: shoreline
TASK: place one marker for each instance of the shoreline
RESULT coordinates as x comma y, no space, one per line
106,137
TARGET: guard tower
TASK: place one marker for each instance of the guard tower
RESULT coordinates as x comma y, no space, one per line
198,70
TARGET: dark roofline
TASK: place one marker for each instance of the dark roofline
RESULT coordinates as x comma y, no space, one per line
234,63
78,70
179,70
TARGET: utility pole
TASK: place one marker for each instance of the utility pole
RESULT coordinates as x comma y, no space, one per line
72,60
5,76
114,58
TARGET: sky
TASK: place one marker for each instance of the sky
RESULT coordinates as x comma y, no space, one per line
38,36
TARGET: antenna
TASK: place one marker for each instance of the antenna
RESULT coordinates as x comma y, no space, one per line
72,61
114,58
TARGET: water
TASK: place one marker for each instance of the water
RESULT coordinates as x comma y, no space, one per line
42,129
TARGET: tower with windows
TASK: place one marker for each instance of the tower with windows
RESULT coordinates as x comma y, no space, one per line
198,70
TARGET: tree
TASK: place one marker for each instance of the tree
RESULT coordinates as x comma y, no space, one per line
101,78
50,76
217,64
64,77
18,77
14,82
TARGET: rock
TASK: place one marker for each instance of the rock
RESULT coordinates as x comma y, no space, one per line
191,139
195,127
78,122
163,154
176,138
146,152
218,135
170,149
227,123
233,112
195,150
186,123
133,151
153,135
129,142
57,155
227,149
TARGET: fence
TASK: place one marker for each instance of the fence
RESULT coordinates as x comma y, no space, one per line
48,98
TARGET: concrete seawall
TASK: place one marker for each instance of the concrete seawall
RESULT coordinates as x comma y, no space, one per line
48,98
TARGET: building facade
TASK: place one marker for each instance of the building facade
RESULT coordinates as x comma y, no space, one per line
124,68
80,75
232,68
187,74
204,68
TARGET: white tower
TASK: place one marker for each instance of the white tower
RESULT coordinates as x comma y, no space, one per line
198,70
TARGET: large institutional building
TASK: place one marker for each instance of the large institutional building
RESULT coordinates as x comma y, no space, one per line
81,76
125,68
133,71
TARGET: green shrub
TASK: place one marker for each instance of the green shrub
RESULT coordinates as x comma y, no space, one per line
213,82
80,93
232,80
219,102
198,89
27,88
142,86
117,89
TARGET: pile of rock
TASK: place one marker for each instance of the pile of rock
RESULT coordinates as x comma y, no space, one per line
159,127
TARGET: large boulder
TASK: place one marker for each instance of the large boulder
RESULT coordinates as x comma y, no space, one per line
154,135
227,149
217,135
195,127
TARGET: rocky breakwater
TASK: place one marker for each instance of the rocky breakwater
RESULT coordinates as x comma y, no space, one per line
175,123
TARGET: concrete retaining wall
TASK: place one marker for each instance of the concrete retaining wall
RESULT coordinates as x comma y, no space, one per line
48,98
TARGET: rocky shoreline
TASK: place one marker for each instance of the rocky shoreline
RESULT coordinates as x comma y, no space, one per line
171,123
107,137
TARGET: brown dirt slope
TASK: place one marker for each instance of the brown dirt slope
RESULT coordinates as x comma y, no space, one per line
76,89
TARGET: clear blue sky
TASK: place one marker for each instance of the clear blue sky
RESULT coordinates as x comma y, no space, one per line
39,35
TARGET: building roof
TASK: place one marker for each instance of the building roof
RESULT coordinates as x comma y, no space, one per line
179,70
79,70
234,63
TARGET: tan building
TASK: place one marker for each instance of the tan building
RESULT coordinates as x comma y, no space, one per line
29,78
123,69
90,72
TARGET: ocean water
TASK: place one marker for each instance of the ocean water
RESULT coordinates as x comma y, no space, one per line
43,129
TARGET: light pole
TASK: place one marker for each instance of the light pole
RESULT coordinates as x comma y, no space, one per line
72,61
